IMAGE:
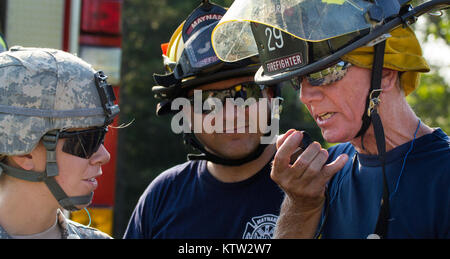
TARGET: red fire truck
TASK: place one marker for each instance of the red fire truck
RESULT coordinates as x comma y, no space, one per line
92,30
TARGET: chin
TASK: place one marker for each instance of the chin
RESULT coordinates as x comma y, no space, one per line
331,136
239,150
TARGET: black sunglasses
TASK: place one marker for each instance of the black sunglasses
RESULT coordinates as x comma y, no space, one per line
83,143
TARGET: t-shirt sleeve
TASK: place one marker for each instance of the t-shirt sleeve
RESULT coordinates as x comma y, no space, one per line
136,228
149,206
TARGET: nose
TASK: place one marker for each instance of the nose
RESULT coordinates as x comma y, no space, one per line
238,114
309,93
101,157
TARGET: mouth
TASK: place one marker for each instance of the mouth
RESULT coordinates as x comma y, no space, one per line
323,117
243,129
92,181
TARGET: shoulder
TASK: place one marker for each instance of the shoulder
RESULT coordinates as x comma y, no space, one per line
432,150
4,234
74,230
78,231
171,179
174,176
178,171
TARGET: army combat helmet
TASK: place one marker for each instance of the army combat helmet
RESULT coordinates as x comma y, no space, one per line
43,93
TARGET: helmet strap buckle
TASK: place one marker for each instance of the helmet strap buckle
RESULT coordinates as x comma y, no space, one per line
374,100
50,140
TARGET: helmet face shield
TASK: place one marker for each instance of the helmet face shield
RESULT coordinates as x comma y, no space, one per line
299,37
307,20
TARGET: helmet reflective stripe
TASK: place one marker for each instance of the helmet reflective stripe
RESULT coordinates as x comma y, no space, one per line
3,45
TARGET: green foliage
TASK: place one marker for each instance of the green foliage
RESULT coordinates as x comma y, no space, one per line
430,101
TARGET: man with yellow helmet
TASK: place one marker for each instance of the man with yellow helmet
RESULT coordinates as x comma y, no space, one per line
354,62
226,191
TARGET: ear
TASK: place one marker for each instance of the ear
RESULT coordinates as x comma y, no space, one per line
23,161
389,79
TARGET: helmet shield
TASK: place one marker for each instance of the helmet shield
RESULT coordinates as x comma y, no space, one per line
300,37
307,20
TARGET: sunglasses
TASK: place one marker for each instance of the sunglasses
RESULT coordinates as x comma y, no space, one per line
83,143
323,77
245,91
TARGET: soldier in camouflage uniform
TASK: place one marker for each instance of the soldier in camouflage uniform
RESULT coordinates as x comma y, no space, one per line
54,114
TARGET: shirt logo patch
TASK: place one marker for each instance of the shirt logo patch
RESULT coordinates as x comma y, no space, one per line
260,227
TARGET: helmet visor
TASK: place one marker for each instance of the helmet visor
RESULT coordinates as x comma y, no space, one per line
308,20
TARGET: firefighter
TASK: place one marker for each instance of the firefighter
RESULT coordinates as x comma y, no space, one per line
354,62
54,114
226,190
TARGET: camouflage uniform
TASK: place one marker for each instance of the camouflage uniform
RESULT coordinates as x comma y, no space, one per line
70,230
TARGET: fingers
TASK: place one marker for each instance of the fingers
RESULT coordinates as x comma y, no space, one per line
313,159
283,137
329,170
289,144
309,174
308,155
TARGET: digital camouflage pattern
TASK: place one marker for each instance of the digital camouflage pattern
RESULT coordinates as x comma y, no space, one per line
69,230
36,84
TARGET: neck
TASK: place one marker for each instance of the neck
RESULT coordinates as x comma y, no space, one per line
26,208
399,125
230,174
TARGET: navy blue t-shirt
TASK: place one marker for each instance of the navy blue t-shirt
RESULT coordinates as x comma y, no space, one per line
186,201
420,195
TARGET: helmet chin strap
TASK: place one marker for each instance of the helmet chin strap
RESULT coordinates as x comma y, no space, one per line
371,116
208,156
48,177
